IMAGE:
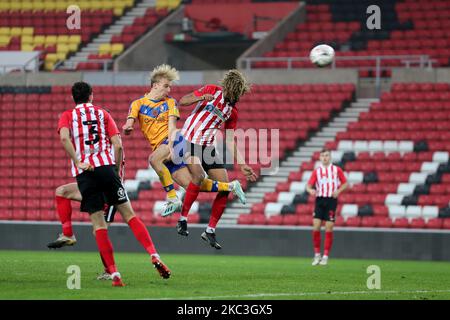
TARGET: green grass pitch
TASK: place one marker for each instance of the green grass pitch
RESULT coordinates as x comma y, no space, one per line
42,275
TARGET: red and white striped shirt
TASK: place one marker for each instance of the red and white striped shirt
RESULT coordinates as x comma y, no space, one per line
208,116
327,180
91,129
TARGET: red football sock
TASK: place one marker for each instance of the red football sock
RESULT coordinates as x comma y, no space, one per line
316,241
192,192
104,263
218,207
328,243
142,235
105,248
64,210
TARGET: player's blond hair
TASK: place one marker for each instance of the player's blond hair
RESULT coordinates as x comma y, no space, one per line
163,71
235,85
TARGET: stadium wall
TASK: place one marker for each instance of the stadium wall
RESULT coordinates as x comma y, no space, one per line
266,44
140,78
358,243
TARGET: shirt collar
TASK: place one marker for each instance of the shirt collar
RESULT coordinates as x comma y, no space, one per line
323,167
84,104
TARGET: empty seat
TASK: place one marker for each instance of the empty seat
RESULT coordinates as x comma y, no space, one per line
306,175
349,210
413,212
429,167
336,155
390,146
345,145
355,177
406,188
360,146
286,197
430,212
396,211
272,209
147,175
298,187
440,157
375,146
131,185
418,178
394,199
406,146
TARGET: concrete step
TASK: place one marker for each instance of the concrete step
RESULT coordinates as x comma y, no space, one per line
320,139
285,170
345,120
137,13
238,205
334,129
105,37
262,190
228,222
124,23
275,179
266,184
349,115
116,28
327,134
231,211
315,143
336,124
100,41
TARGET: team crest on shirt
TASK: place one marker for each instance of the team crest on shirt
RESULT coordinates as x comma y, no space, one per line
212,109
121,193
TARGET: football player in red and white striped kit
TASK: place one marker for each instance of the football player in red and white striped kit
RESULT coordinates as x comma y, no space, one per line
216,107
326,183
88,134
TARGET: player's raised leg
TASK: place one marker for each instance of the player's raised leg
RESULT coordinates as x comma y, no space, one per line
156,160
63,196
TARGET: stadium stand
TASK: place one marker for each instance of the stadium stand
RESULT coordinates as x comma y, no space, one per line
45,163
408,28
396,158
42,26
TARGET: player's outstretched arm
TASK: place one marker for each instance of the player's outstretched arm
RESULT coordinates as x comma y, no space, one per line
191,98
128,126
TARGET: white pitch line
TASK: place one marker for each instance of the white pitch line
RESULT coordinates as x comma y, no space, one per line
304,294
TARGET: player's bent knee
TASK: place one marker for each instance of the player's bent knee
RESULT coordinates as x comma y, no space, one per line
61,191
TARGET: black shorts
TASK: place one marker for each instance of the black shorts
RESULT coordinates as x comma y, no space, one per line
325,208
207,154
100,186
110,212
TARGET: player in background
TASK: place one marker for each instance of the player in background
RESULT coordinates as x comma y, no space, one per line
157,114
89,134
326,184
216,106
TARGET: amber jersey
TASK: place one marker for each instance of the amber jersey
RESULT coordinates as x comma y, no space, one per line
153,117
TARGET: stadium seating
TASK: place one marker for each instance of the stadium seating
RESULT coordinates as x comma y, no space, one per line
43,26
400,173
408,28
